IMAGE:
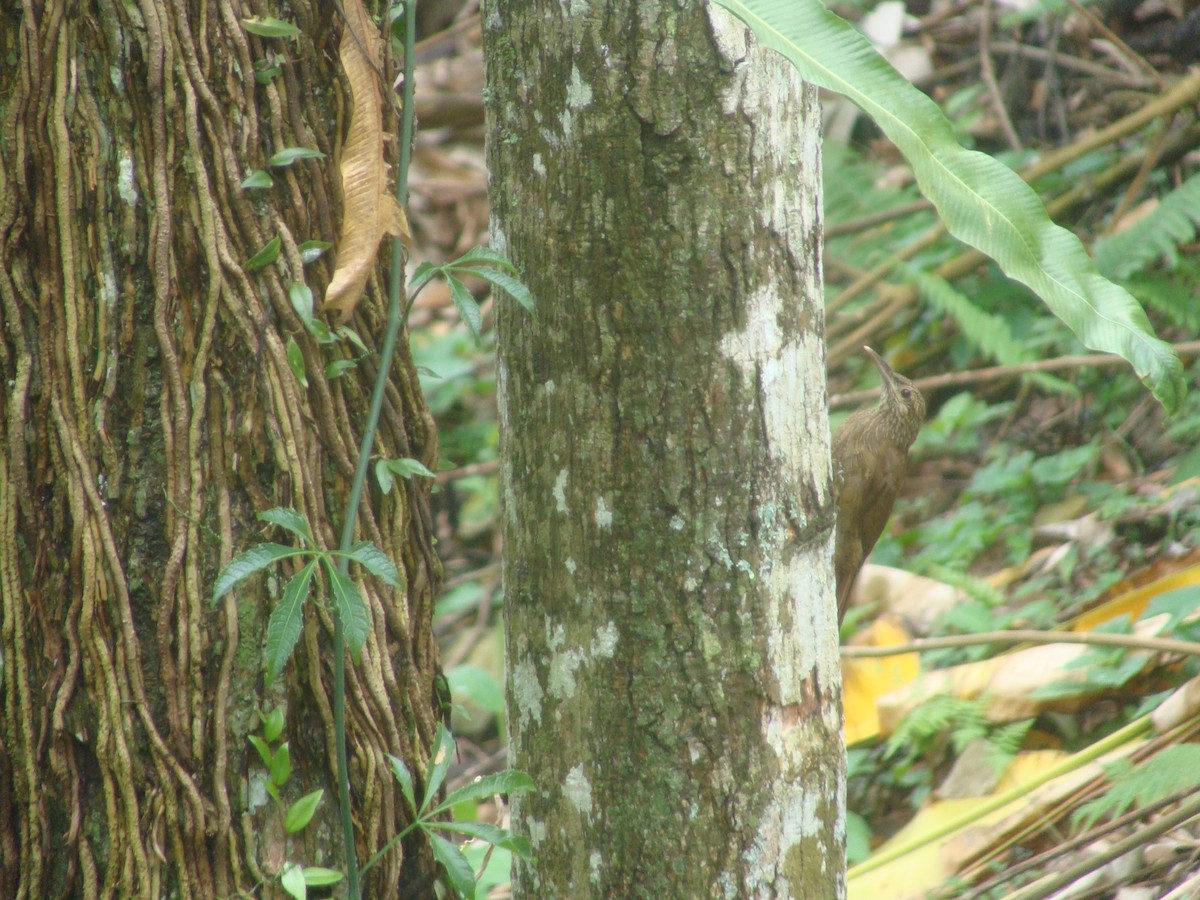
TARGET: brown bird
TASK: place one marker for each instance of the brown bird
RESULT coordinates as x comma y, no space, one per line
870,461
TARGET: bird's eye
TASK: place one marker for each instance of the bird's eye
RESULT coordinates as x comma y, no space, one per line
905,393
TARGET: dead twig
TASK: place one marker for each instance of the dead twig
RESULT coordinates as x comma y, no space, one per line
987,71
1000,373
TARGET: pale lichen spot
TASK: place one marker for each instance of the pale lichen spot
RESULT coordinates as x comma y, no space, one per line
579,92
540,168
560,491
578,791
526,692
603,514
677,523
570,564
604,644
536,829
108,290
775,365
126,184
561,681
594,862
257,793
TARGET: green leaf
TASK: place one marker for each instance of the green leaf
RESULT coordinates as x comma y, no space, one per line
289,155
317,876
301,298
295,358
440,758
509,782
858,838
1063,467
423,274
311,251
287,518
376,562
459,873
280,768
264,76
1177,605
400,770
291,879
498,837
265,26
407,468
264,752
287,620
272,724
468,309
302,301
485,255
339,367
246,564
345,331
981,201
265,256
300,813
461,598
479,685
258,179
351,609
383,474
318,329
515,287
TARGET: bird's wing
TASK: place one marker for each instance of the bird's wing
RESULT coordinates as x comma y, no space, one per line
881,485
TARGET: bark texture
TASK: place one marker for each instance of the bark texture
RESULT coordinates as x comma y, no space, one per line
147,412
672,644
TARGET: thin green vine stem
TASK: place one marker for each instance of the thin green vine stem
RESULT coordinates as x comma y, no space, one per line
394,321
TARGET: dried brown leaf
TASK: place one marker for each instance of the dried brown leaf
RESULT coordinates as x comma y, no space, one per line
369,210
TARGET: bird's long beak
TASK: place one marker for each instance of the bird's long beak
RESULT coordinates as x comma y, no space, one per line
885,372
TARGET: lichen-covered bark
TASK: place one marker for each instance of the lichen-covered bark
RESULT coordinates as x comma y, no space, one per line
672,644
147,412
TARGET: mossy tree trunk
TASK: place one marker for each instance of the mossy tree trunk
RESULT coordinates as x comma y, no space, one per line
147,413
672,644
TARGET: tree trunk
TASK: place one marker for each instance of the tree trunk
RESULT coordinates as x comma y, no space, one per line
672,644
147,413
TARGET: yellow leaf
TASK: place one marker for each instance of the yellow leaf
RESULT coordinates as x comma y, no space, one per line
864,681
1134,602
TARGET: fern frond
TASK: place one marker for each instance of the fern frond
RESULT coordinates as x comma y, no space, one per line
1006,741
1172,770
988,332
938,714
1157,236
1172,292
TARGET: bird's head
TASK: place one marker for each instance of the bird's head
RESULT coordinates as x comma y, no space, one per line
901,403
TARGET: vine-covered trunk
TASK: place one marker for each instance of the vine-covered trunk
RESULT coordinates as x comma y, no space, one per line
148,411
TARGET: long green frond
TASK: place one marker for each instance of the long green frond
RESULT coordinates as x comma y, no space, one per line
981,201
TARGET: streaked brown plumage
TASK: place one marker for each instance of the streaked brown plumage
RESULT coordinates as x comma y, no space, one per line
870,461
